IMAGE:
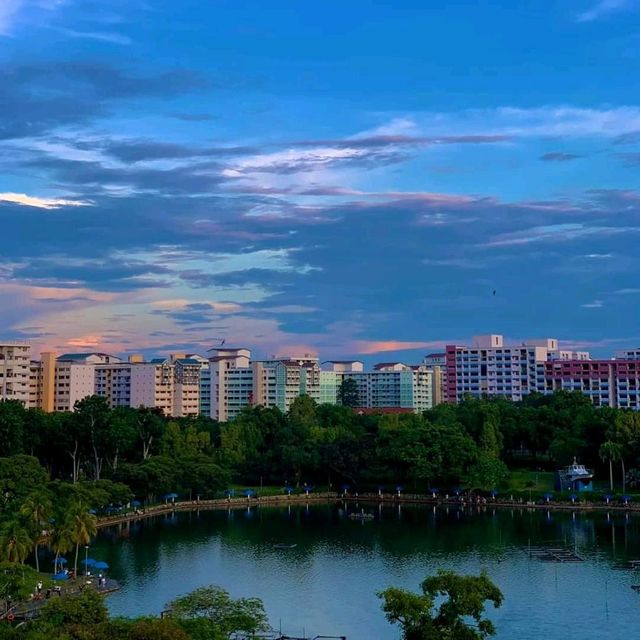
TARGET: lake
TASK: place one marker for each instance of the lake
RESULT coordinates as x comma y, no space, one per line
327,584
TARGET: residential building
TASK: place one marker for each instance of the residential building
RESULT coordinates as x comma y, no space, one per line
186,386
42,382
490,367
608,383
15,371
231,382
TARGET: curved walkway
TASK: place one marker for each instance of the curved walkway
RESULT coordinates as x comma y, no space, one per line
390,499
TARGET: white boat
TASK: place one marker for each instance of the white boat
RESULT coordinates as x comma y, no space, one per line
575,477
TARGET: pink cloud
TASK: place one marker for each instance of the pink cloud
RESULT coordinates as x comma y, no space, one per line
367,347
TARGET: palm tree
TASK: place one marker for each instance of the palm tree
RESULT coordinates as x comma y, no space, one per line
37,510
610,451
15,541
61,541
83,526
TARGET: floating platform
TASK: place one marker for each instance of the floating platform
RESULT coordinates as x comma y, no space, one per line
284,545
554,554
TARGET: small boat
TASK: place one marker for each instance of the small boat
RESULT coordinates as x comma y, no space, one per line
284,545
575,477
361,516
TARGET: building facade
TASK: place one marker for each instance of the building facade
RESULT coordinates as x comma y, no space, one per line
15,371
489,367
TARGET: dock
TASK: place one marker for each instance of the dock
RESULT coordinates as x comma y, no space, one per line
30,609
554,554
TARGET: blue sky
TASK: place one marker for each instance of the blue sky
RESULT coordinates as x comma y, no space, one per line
352,178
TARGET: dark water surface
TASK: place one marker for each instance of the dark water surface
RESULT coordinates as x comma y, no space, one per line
327,584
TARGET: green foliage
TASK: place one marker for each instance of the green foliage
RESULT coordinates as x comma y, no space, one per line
225,614
112,456
12,419
450,607
18,581
16,541
19,476
86,609
348,393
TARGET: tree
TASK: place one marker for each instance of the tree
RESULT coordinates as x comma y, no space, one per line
85,610
82,525
122,434
37,510
93,414
450,607
611,451
19,476
225,614
12,417
61,540
348,395
626,432
149,427
302,412
15,541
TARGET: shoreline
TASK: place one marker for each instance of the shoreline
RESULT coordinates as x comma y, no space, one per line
385,499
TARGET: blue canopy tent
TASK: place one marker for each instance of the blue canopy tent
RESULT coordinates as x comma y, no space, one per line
170,496
58,564
61,575
90,562
136,503
100,565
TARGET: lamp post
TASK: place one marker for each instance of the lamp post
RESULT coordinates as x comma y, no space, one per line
86,559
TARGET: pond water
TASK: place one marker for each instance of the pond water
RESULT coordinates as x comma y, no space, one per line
327,584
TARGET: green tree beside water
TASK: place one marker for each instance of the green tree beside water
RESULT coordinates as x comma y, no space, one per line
449,607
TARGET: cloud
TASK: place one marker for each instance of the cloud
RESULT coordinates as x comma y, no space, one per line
192,117
366,347
42,203
630,159
559,156
86,342
555,233
101,36
628,291
41,96
8,11
542,121
632,137
596,304
137,150
603,8
297,160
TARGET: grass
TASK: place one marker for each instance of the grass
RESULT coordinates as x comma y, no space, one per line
536,481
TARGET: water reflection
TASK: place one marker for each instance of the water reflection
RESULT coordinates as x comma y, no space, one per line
338,563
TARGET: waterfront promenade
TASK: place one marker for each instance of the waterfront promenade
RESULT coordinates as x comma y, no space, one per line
465,501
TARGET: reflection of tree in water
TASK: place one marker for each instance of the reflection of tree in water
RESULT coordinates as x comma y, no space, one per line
397,535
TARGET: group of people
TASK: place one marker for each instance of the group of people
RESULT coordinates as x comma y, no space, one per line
38,595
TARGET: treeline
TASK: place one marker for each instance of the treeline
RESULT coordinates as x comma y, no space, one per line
208,613
471,445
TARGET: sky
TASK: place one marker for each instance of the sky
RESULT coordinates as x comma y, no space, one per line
369,179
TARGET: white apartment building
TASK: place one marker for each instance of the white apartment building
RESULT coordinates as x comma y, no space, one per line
490,367
15,371
391,385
